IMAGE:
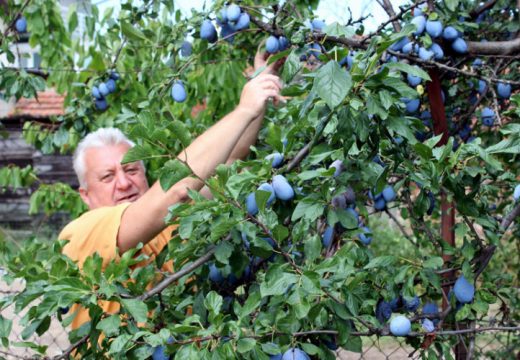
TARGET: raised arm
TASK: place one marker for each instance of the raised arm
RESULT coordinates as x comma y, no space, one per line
144,218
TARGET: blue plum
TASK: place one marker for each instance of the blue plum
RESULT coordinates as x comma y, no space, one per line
400,326
282,188
21,25
460,46
272,44
208,31
450,33
464,290
420,24
295,354
434,28
178,92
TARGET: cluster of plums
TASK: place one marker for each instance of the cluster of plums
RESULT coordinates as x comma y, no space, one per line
400,325
279,188
231,19
100,91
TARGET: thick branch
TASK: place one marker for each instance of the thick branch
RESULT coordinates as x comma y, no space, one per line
509,47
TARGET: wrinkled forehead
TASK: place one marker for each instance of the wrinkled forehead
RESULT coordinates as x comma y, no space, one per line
105,157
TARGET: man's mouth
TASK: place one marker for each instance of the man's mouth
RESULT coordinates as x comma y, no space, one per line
130,198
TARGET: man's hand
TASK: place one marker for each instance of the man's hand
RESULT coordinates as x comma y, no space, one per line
256,93
261,58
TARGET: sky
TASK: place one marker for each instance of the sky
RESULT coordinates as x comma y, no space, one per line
328,10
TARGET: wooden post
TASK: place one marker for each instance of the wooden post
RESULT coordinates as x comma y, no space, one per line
440,126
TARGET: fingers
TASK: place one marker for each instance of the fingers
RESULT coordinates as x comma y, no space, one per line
269,78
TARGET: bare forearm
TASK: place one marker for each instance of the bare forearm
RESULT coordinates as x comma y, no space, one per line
216,145
249,137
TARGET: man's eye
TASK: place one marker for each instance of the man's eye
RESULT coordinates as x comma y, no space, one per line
106,177
131,170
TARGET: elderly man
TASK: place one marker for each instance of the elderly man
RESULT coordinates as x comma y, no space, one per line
124,210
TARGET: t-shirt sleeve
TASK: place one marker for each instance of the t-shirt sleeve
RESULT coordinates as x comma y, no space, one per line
94,231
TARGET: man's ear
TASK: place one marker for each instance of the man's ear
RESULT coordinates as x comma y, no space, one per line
84,196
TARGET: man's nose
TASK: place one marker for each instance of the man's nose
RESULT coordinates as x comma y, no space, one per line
122,180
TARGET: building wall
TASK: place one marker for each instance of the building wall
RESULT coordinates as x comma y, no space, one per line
14,205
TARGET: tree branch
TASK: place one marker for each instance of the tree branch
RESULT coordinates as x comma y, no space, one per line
177,275
506,221
487,5
405,234
389,9
392,19
494,47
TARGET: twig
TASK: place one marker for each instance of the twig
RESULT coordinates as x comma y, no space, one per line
389,9
299,157
487,5
177,275
432,63
470,225
393,18
508,220
400,227
496,106
66,353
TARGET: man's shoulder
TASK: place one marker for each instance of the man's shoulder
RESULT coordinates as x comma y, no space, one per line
91,218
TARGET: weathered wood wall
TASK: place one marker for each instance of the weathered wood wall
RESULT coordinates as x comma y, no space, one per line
14,205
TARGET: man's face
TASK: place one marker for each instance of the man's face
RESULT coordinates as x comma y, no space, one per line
108,182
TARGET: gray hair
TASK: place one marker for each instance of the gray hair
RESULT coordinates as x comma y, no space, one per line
100,137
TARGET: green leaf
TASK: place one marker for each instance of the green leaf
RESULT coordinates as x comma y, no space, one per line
452,4
136,153
463,313
236,183
291,67
213,302
245,345
507,146
131,32
409,69
252,303
277,282
223,252
346,218
332,83
222,227
181,132
5,327
280,233
308,208
382,261
172,172
433,263
312,248
336,29
136,308
110,325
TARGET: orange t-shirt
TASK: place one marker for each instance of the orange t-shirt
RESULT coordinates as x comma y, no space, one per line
96,231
